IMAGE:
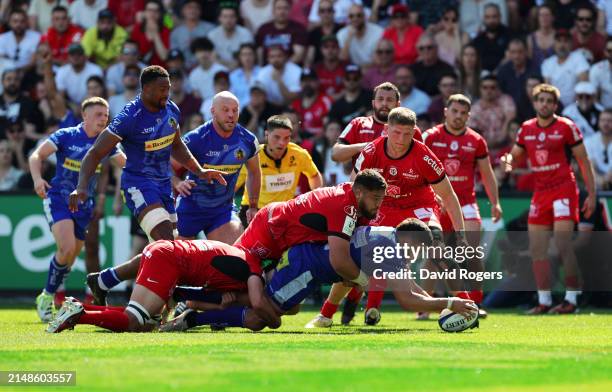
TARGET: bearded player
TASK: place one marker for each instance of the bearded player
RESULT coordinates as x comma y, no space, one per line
413,174
546,142
462,150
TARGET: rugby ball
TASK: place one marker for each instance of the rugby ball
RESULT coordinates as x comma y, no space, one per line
450,321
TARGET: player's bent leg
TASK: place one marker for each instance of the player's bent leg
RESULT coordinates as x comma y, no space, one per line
539,240
144,309
156,222
330,306
563,231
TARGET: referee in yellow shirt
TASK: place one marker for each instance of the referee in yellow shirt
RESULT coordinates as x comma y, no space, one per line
282,163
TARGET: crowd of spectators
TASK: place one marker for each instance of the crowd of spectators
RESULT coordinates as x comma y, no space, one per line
315,60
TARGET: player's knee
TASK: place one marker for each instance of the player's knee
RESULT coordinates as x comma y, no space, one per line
65,253
140,318
157,224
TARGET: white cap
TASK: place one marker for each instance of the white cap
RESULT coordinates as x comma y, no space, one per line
585,88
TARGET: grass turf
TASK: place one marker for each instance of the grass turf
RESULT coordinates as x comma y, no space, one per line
508,352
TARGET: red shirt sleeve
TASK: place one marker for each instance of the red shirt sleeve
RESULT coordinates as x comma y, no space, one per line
341,224
348,134
482,151
365,158
430,166
418,134
573,136
520,136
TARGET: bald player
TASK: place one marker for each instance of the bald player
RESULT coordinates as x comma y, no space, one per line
224,145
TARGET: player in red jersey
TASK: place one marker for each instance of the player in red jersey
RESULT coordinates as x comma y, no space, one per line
462,151
413,174
165,264
327,214
546,141
362,130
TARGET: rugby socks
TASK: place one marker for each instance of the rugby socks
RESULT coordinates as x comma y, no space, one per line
108,279
572,287
182,294
543,274
376,292
116,321
230,317
354,295
56,276
328,309
101,308
477,296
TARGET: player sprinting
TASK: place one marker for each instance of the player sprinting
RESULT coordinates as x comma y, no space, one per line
165,264
462,150
282,162
307,265
224,145
68,227
147,128
414,176
546,141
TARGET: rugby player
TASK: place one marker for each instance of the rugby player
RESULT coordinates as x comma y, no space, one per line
307,265
546,141
147,128
165,264
282,162
462,150
224,145
414,176
68,227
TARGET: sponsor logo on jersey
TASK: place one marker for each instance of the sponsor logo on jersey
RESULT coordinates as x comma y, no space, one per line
369,148
279,182
542,136
349,225
393,191
239,154
393,171
530,137
468,148
452,166
211,153
172,122
351,211
454,145
227,169
411,175
292,162
75,166
541,156
438,144
367,131
158,144
434,165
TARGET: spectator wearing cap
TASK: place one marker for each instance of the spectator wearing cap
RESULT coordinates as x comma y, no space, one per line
599,148
201,77
228,36
189,28
255,114
102,43
403,35
411,97
471,14
383,68
312,106
61,34
19,44
447,86
16,107
282,31
429,64
114,73
152,36
280,77
585,111
131,83
513,74
325,26
450,38
585,36
40,13
126,12
331,69
187,103
492,113
175,60
71,78
220,83
85,12
565,68
493,41
358,39
601,76
243,77
355,101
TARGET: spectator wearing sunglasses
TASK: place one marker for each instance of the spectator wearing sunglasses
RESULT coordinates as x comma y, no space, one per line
403,35
450,39
585,111
358,39
429,69
384,67
584,35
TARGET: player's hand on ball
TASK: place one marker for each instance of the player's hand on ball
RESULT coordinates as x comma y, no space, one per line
211,175
184,187
464,307
77,196
41,186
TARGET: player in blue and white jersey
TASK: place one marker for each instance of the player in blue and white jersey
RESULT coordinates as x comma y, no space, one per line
305,266
224,145
149,133
70,146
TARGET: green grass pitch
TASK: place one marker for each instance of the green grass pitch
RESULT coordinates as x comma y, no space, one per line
508,352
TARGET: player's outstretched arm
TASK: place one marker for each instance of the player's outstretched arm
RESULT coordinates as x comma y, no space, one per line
588,175
345,152
181,153
103,145
261,304
445,190
490,183
411,297
39,155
